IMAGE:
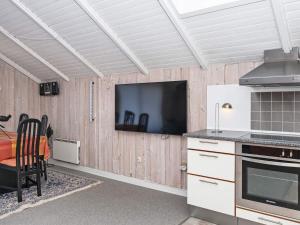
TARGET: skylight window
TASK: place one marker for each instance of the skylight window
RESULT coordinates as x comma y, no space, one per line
189,6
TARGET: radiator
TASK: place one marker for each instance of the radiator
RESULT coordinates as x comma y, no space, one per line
66,150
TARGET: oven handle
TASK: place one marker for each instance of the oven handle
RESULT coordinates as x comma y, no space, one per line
272,163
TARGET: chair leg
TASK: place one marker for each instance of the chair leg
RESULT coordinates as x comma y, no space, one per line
19,187
41,166
45,170
38,182
26,182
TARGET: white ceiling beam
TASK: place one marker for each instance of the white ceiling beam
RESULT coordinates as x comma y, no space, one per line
56,36
282,25
20,68
169,10
33,53
85,6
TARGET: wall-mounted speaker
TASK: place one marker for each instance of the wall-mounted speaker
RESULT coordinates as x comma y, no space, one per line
50,88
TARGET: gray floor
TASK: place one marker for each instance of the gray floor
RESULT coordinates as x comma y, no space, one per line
110,203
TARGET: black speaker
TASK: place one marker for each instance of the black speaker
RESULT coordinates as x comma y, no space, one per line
50,88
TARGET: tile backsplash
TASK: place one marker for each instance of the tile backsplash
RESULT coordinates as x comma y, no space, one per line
275,111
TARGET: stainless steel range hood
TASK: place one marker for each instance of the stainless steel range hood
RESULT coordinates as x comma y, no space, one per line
278,69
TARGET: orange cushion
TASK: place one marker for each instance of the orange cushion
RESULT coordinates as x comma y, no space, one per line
8,146
12,162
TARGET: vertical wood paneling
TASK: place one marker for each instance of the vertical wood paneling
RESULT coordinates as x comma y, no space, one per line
18,94
151,157
145,156
232,74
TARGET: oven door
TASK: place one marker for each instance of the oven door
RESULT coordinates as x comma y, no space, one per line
271,182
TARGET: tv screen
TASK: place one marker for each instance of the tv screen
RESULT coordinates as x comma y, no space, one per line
152,107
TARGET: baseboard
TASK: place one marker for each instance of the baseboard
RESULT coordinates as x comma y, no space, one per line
125,179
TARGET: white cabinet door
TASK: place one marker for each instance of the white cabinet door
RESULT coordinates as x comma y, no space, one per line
211,145
211,164
262,218
211,194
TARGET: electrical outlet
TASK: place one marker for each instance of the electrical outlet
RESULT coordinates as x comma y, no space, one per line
183,167
139,159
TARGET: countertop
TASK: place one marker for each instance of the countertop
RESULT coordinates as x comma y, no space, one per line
248,137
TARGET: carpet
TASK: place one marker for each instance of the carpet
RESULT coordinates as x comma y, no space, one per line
196,221
59,184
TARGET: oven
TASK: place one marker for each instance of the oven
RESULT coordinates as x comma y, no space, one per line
268,179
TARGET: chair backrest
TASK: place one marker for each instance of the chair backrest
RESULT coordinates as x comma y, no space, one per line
22,117
44,123
143,122
28,143
128,118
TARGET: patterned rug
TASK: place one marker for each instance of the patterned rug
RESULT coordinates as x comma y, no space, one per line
59,184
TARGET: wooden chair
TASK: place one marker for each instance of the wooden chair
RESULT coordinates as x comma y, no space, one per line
44,124
22,117
27,161
43,166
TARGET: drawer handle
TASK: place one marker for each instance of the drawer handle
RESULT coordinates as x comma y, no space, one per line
209,142
209,182
270,221
209,156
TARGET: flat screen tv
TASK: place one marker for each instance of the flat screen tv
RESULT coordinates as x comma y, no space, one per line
152,107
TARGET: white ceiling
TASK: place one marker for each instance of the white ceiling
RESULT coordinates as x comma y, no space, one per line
233,34
292,8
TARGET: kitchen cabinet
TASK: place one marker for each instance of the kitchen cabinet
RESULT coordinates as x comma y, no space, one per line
210,164
211,175
211,194
211,145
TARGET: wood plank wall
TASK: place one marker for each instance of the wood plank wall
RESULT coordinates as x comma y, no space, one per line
18,94
143,156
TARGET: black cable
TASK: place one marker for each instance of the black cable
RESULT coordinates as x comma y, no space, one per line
4,119
1,126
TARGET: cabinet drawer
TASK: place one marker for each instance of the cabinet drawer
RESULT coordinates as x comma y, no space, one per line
211,145
211,164
262,218
211,194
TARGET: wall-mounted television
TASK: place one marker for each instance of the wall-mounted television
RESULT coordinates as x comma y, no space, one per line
159,107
